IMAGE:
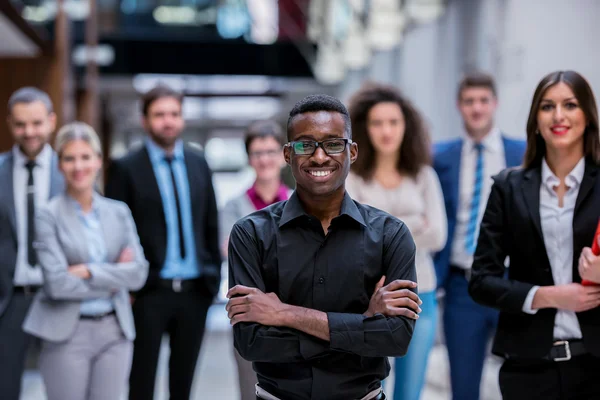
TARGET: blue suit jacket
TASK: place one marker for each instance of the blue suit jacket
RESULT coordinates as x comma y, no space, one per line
446,163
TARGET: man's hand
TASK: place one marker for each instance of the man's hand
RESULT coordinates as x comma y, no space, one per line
589,265
80,271
394,299
126,255
248,304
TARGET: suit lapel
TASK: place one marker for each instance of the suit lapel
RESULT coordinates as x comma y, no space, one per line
530,187
587,184
193,175
147,170
71,221
453,163
7,196
107,224
57,183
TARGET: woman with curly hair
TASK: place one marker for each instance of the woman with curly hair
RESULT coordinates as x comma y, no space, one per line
393,173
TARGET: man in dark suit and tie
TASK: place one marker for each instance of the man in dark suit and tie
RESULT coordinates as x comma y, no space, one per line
465,167
168,187
29,177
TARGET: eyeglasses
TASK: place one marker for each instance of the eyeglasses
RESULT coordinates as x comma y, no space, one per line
268,153
329,146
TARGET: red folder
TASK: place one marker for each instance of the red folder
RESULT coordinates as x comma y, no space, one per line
596,251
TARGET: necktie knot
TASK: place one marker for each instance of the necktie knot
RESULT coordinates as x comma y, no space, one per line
479,147
30,165
169,159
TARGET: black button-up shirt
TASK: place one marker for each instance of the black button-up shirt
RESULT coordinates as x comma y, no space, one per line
282,249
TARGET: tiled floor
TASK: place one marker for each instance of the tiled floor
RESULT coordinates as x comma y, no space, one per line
216,375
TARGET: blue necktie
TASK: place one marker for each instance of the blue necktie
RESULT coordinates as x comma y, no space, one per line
471,240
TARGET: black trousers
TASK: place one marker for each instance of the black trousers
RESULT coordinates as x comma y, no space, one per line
576,379
183,317
13,345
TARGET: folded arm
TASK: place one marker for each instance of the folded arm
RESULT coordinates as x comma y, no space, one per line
255,341
372,336
129,275
59,284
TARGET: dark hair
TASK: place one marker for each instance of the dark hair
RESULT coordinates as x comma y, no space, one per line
29,95
158,92
536,146
263,129
415,148
474,80
319,102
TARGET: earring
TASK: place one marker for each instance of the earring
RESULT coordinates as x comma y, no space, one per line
537,131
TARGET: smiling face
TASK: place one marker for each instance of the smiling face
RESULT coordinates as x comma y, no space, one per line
320,174
80,165
31,125
560,119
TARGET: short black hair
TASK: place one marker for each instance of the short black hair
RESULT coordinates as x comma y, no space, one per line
263,129
159,91
320,102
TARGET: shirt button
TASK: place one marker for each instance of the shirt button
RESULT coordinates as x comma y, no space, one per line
321,280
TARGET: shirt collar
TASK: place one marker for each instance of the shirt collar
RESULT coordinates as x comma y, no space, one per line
492,142
293,209
573,179
158,154
77,206
42,160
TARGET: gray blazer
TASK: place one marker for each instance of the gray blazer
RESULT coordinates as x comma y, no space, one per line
60,242
8,222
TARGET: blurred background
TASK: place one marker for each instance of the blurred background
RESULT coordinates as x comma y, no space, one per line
242,60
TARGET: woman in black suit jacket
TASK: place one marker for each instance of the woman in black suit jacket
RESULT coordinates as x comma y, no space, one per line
543,217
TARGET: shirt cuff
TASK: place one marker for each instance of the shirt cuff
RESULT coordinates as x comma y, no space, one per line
346,331
529,301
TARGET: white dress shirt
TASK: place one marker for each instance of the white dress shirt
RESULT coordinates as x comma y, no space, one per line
494,161
557,229
24,273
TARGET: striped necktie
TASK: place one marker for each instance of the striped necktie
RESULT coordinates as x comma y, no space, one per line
471,239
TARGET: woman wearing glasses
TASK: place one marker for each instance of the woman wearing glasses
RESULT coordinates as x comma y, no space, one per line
393,173
91,257
543,217
263,145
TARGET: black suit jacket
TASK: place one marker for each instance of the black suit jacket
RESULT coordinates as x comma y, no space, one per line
511,226
131,179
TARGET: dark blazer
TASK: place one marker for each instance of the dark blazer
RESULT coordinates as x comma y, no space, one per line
446,163
131,179
8,222
511,227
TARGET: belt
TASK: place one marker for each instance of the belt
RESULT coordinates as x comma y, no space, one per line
564,350
179,285
262,394
465,272
26,289
97,317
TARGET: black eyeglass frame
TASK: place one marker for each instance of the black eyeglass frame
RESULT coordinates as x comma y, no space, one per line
319,144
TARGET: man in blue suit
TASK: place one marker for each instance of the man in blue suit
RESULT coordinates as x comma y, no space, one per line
465,167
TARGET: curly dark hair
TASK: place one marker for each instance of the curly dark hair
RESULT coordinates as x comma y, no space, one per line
415,150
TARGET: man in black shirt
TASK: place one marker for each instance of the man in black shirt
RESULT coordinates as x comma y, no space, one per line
302,273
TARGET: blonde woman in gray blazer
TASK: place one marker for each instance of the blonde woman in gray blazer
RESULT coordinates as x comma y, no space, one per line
91,258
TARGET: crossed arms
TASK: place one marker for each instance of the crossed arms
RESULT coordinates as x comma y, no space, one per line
267,330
